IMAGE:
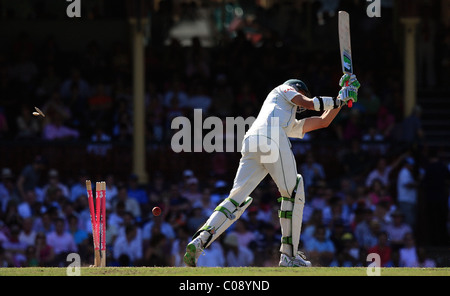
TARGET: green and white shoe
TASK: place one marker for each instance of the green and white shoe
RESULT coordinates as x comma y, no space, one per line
193,251
298,261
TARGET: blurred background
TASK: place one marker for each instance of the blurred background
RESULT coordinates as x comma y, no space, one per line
111,80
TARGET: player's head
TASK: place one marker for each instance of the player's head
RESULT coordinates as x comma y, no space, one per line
299,86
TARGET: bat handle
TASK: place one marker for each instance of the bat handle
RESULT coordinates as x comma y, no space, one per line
350,102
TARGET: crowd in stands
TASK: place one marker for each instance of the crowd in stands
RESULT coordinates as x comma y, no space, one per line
372,183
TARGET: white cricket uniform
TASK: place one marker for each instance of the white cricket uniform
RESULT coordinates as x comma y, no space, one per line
275,123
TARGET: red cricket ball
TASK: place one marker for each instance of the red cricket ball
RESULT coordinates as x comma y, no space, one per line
156,211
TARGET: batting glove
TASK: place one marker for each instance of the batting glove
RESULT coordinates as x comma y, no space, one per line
352,81
348,93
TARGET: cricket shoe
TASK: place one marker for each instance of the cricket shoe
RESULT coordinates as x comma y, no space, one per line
298,261
193,251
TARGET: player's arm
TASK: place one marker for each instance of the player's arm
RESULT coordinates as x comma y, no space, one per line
317,103
318,122
303,101
300,127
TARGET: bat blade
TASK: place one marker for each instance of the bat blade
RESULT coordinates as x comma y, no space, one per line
345,44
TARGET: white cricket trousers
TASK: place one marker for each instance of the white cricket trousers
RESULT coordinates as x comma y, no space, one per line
255,165
253,168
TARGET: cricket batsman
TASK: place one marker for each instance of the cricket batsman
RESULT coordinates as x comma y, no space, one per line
266,149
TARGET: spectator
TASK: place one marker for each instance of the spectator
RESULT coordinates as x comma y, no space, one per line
385,122
408,253
55,182
382,214
27,207
381,172
54,106
423,259
128,245
355,161
179,207
397,230
338,230
320,248
253,222
131,204
199,98
195,219
49,83
214,256
29,178
157,225
367,230
222,97
192,193
244,236
81,207
323,193
383,249
178,247
205,203
53,200
175,96
378,193
407,190
31,258
44,251
28,126
237,255
56,130
100,143
11,215
75,80
349,256
111,187
219,192
3,258
44,223
27,234
246,96
345,188
266,240
311,171
135,191
115,219
80,236
14,248
411,128
373,142
79,187
8,189
78,104
352,128
156,253
336,210
197,67
315,221
61,241
128,219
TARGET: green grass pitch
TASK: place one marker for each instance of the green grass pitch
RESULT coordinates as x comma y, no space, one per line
229,271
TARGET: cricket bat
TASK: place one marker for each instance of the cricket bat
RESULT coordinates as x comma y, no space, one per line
345,45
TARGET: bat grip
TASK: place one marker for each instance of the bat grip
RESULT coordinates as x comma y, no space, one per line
350,102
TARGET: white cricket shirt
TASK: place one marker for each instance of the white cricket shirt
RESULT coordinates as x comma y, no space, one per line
278,110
